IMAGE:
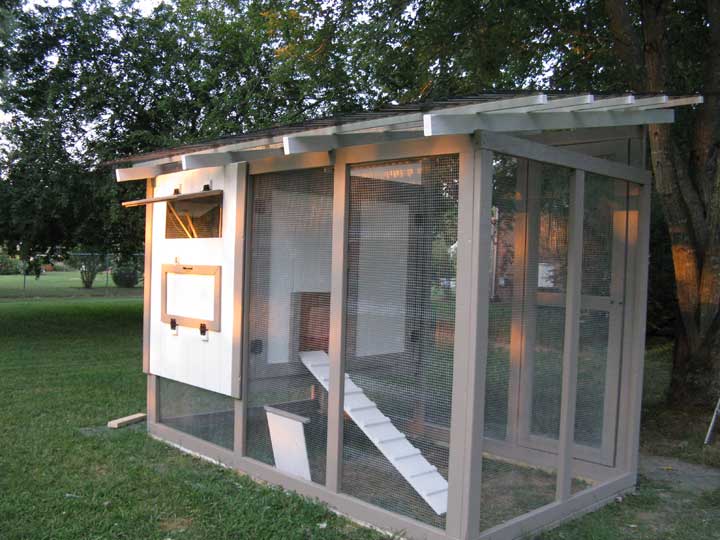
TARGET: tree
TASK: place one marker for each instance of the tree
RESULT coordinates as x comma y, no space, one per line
39,191
97,80
439,48
686,165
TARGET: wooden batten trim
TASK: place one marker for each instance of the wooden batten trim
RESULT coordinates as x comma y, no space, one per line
515,146
573,299
239,172
147,172
173,198
147,277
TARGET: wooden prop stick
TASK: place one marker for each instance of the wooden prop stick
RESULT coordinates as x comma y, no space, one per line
175,215
192,227
713,425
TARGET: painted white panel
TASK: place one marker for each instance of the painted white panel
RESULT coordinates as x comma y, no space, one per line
298,262
382,277
191,295
185,357
288,443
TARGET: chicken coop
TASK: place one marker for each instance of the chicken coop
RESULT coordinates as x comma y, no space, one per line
430,317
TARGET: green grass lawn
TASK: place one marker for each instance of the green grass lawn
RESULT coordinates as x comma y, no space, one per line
669,431
60,284
67,367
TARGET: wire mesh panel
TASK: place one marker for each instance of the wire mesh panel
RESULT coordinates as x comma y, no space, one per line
288,319
203,414
506,290
400,327
546,308
512,482
603,267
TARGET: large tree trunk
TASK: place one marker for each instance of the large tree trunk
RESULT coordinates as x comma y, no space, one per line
688,184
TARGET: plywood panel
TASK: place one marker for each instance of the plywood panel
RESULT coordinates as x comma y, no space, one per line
185,357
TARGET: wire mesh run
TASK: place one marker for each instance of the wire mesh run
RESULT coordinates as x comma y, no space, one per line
197,412
400,328
288,318
530,211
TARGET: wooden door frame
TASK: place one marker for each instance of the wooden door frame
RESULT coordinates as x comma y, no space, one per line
521,382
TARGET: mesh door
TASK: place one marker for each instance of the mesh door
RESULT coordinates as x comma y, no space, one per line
400,325
289,310
603,267
546,308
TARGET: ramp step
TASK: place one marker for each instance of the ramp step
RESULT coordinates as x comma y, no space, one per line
424,477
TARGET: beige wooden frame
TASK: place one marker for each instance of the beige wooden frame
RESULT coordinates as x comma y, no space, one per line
241,195
202,270
521,379
467,443
147,277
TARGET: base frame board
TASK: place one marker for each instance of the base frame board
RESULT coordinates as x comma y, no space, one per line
528,524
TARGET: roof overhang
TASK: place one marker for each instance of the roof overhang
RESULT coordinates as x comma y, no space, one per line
533,113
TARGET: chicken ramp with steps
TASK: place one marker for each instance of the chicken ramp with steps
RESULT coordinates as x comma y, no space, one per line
408,460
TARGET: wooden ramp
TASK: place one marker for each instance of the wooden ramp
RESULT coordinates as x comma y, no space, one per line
408,460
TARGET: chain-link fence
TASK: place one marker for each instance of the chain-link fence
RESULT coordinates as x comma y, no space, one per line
77,274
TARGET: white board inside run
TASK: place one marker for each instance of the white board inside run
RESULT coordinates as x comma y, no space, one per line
191,296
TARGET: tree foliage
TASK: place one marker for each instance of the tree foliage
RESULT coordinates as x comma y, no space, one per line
93,80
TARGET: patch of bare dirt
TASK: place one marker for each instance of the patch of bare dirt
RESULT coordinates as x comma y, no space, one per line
680,473
174,524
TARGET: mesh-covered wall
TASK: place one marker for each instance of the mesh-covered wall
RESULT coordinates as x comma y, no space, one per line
531,210
289,310
547,257
402,240
203,414
506,290
529,253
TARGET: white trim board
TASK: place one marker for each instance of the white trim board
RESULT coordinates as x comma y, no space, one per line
516,146
450,124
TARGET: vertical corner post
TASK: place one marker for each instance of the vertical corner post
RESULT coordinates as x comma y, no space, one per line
147,275
571,340
336,343
240,171
153,416
639,311
471,334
